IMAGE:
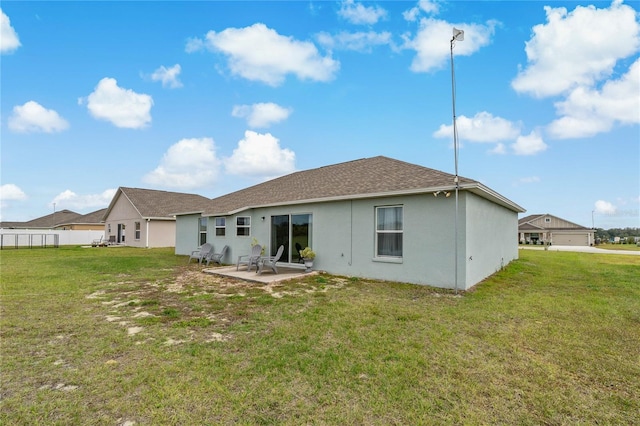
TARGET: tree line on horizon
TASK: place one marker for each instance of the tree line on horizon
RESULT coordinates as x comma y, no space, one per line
626,235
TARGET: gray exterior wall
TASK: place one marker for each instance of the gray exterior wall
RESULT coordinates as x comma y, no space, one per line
187,234
489,238
343,237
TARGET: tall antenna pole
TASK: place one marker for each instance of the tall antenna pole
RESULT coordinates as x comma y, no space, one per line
458,35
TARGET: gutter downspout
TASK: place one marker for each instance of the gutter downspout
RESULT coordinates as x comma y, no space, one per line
351,233
147,234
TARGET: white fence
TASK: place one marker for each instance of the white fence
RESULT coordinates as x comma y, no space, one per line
22,238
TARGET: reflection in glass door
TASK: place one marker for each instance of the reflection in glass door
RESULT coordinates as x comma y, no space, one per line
280,235
292,231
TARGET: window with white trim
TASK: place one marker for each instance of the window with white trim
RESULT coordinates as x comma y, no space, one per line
221,226
202,230
137,228
389,230
243,226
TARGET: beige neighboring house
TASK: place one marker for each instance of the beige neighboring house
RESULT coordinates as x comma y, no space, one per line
88,222
549,229
145,217
61,220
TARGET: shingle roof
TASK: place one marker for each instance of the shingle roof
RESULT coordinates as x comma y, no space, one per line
365,177
62,217
152,203
529,218
53,219
526,224
89,218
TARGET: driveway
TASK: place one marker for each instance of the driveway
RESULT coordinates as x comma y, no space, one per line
583,249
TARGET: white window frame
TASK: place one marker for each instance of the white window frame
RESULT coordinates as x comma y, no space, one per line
400,231
137,228
246,225
202,230
220,225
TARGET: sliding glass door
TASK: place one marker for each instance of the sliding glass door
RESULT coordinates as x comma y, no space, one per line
294,232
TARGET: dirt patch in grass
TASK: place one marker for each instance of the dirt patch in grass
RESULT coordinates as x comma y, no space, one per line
194,307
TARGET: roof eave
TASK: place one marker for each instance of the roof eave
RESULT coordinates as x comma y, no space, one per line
484,191
488,193
187,213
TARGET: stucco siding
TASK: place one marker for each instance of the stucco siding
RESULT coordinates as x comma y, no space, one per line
344,232
186,239
162,233
343,237
122,213
490,242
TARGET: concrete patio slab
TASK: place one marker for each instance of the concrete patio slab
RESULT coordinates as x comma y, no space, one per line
267,277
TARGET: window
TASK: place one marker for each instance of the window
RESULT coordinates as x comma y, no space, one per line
220,226
389,231
202,230
243,226
137,226
547,220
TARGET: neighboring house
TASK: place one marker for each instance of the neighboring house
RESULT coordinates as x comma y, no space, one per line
144,217
549,229
50,221
376,218
88,222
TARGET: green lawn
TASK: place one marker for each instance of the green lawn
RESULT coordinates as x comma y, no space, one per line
626,247
105,336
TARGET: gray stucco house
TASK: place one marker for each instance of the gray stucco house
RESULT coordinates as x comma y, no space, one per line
377,218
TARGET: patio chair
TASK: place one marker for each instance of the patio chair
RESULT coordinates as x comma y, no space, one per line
270,261
199,254
250,259
97,243
299,249
216,257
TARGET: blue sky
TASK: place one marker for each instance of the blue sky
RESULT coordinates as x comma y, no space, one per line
209,97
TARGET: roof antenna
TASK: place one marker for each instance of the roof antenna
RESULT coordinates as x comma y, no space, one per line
458,35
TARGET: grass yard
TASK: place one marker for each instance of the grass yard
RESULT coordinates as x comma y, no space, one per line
625,247
122,336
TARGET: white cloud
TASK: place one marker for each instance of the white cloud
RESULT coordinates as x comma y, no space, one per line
168,76
357,13
526,180
259,53
432,42
9,40
577,48
122,107
188,164
33,117
604,207
261,114
499,149
9,191
194,45
70,200
586,112
529,145
427,6
358,41
260,155
483,127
